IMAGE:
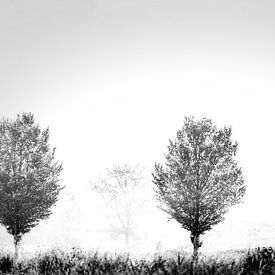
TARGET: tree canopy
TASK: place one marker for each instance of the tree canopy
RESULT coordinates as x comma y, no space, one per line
29,175
200,179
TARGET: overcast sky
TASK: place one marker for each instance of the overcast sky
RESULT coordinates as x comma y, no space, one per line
113,79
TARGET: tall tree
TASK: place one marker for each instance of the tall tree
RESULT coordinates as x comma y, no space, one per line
200,179
29,175
121,189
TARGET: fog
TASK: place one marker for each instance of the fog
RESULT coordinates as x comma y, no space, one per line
114,80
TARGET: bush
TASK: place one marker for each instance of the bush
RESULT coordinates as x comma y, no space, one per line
260,260
6,264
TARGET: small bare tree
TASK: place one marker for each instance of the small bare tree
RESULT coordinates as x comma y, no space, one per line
121,189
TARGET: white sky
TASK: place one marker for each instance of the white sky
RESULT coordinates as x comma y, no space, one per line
114,79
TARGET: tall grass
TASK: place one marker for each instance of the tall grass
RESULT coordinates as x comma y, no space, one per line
76,261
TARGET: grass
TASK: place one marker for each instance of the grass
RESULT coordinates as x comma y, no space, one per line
76,261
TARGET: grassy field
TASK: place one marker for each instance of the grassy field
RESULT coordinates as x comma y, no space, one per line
76,261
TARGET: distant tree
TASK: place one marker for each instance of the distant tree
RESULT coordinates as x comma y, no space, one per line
121,189
200,179
29,175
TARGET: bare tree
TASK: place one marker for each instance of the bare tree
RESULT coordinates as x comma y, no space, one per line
121,189
200,179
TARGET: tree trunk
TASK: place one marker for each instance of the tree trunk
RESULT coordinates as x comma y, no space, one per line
127,240
15,250
16,240
196,245
195,249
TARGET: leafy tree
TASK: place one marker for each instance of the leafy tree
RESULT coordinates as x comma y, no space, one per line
121,189
200,179
29,175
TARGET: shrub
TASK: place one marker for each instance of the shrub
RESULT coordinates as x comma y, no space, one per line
6,264
260,260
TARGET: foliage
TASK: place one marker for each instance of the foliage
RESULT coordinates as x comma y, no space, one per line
200,179
261,259
6,264
121,189
29,175
258,261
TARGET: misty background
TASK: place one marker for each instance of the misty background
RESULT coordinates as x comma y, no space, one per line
113,80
